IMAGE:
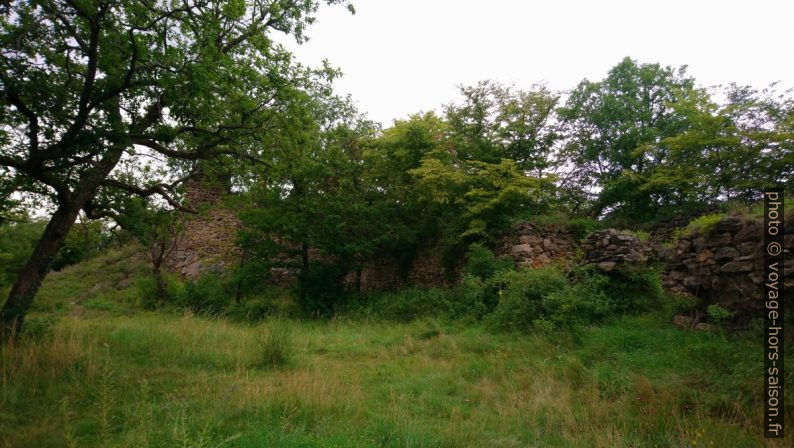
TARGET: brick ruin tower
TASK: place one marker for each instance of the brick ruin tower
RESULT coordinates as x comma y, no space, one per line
206,241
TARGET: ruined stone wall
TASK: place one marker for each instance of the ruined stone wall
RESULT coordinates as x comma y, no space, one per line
206,241
721,266
534,246
426,269
611,248
724,265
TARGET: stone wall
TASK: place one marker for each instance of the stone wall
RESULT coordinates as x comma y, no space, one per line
721,266
206,241
426,269
724,265
611,248
534,246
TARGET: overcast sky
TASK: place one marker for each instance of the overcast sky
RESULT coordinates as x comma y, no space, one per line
403,56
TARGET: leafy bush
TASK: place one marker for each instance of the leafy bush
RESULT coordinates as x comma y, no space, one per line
321,290
717,314
149,295
481,262
210,294
579,228
595,295
85,240
704,225
520,295
468,299
17,241
272,302
544,298
576,304
404,305
682,303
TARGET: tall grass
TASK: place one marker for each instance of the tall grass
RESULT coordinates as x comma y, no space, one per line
181,380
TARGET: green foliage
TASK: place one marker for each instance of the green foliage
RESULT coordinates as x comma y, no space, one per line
682,303
546,298
93,83
614,126
581,227
520,296
404,305
481,262
655,144
271,302
469,299
18,239
477,198
718,314
321,289
210,294
702,225
86,240
627,291
150,294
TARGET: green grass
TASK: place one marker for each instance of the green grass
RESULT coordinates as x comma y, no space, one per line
114,376
166,380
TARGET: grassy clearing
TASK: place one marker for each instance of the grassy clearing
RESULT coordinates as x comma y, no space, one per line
167,380
95,371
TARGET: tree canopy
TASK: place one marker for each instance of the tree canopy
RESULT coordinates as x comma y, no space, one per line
103,99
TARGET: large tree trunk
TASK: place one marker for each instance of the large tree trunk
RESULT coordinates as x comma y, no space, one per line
29,279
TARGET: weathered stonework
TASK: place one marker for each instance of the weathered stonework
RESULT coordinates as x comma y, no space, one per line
724,266
534,246
426,269
206,241
611,248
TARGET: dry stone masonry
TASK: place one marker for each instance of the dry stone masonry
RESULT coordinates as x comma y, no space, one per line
723,265
611,248
534,246
206,241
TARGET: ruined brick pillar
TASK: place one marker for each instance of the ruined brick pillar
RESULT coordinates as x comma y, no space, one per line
207,241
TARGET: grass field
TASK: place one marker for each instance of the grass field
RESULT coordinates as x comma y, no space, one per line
96,372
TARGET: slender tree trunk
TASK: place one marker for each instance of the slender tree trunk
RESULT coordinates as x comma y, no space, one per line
304,271
158,279
358,279
29,279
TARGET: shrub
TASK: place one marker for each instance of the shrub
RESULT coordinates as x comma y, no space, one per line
578,303
409,304
594,295
520,294
481,262
704,225
718,314
468,299
321,289
272,302
579,228
683,303
149,296
210,294
275,346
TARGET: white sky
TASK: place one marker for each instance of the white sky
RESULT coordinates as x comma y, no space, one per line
403,56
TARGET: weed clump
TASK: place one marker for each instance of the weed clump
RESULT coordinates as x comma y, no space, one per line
275,346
